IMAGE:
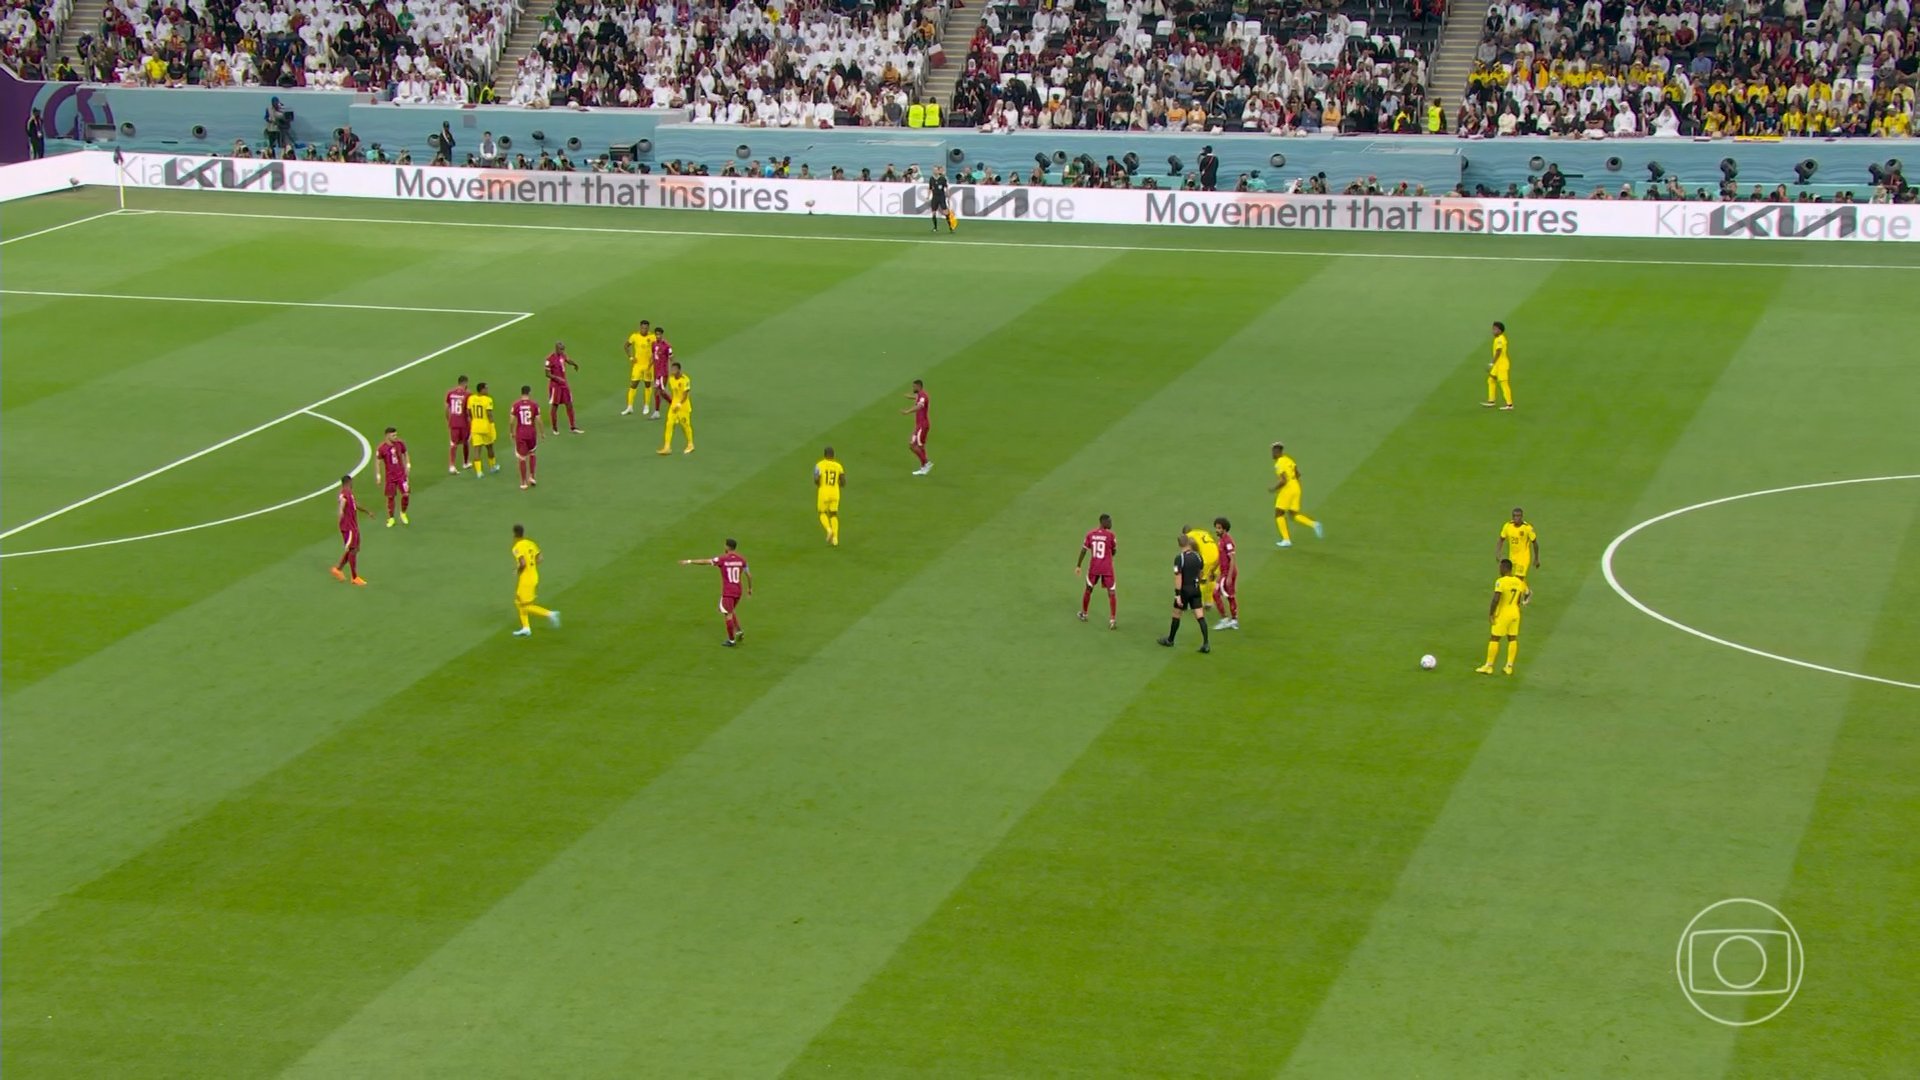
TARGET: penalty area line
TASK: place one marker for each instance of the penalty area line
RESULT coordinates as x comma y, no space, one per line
258,428
366,458
1410,256
1613,582
256,303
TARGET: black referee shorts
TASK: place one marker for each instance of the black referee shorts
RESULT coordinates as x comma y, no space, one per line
1187,601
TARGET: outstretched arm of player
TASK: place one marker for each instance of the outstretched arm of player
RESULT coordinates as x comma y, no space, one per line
572,363
1535,544
698,562
1081,560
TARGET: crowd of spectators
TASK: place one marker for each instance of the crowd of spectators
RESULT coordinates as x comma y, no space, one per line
29,29
1178,65
405,50
797,63
1623,68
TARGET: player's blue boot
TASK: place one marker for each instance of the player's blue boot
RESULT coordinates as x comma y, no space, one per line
553,619
1319,531
1283,543
525,631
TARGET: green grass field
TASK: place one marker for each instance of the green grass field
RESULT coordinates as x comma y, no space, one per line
925,823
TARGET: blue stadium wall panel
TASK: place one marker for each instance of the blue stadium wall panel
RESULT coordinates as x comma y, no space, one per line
162,120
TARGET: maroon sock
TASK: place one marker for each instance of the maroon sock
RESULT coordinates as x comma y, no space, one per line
1085,599
389,506
405,498
353,563
1113,605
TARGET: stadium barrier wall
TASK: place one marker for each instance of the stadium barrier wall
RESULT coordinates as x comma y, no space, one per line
1264,212
160,120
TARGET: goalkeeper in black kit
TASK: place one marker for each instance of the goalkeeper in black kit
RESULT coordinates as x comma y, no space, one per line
937,199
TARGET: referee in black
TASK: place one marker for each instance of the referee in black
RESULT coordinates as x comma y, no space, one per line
1187,568
937,198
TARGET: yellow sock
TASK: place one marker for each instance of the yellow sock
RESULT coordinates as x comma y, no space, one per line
534,609
1490,387
1281,521
476,463
827,524
1513,650
522,612
1493,651
687,426
630,395
1506,390
1305,520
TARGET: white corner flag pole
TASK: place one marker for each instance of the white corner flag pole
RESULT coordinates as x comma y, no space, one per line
120,173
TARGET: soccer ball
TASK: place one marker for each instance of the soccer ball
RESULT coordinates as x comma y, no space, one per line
1428,663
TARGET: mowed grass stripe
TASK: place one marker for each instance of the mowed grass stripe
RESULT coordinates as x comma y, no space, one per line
1020,970
87,745
397,818
742,896
1854,878
1636,775
1187,874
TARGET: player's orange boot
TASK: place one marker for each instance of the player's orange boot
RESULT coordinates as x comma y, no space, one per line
335,571
358,580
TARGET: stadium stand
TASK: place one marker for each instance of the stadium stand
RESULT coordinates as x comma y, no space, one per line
1149,65
807,64
409,50
28,31
1610,69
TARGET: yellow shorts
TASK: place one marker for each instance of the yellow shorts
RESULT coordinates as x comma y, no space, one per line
1507,625
1498,373
678,416
523,590
824,502
1520,569
482,436
1209,577
639,373
1288,498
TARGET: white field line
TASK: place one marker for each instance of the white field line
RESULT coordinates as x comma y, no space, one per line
276,421
1606,570
254,303
57,228
1032,245
366,456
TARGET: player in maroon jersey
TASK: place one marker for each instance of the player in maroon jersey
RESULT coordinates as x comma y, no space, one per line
558,392
1226,592
918,443
350,513
525,413
734,577
396,471
459,427
662,368
1100,544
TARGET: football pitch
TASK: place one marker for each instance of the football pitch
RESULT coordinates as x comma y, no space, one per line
925,822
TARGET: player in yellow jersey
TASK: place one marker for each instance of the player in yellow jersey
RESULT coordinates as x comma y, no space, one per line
480,416
526,583
829,480
639,364
1509,595
1208,546
679,409
1286,497
1498,370
1520,543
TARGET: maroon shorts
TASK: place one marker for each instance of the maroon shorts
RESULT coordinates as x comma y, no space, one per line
350,539
524,444
398,485
728,603
660,386
559,393
919,437
1100,581
459,433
